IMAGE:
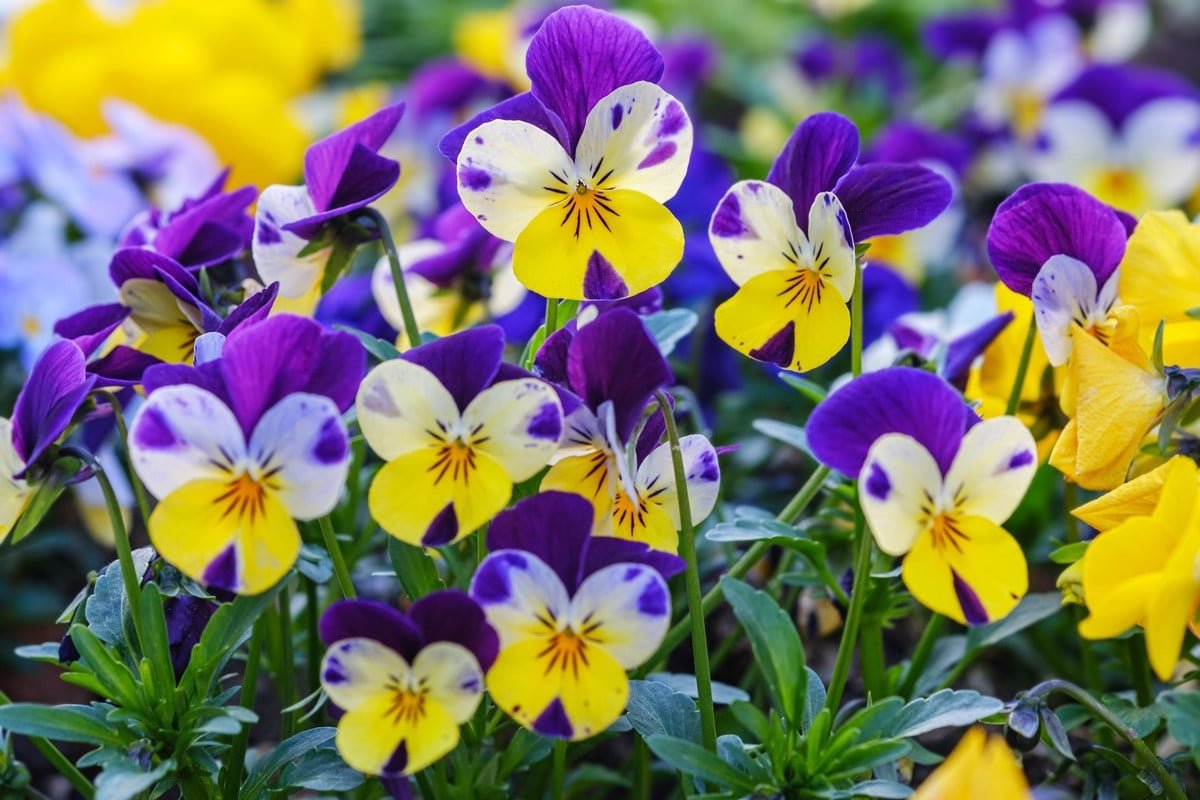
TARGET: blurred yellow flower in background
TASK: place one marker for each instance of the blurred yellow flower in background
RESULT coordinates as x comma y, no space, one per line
228,69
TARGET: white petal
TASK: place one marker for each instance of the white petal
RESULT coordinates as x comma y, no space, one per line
656,477
516,422
300,446
1064,293
355,670
754,230
994,466
521,595
898,488
831,245
182,434
509,172
276,251
1073,138
452,676
399,403
427,308
626,608
636,137
1162,141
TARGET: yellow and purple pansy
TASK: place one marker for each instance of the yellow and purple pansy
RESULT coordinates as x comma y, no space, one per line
343,174
404,682
573,612
788,242
575,172
613,365
240,446
457,428
935,484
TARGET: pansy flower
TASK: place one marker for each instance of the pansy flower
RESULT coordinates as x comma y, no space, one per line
788,242
575,172
456,276
343,174
1061,247
457,428
1160,277
239,447
614,366
981,767
935,484
205,230
54,391
1142,572
404,682
573,611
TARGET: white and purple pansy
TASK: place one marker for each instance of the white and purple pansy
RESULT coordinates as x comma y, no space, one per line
935,484
573,612
1061,247
788,242
239,447
457,428
576,171
404,682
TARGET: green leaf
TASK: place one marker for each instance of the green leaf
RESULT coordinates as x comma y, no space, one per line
722,693
810,389
1032,609
320,771
1069,553
122,779
1143,721
814,698
656,708
524,749
945,709
733,752
157,646
792,435
865,757
290,749
380,349
775,643
36,509
692,759
107,610
669,327
44,653
414,568
118,681
68,723
1055,734
752,719
884,790
1181,707
226,631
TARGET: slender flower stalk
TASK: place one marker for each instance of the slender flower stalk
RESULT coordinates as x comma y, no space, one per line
920,658
139,491
340,571
237,753
551,316
411,329
687,549
1014,397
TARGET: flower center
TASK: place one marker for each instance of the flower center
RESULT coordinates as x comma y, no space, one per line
407,706
946,533
455,459
628,514
243,497
565,650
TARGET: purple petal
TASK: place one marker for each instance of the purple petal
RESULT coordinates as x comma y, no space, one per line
614,358
210,231
91,327
604,551
444,86
821,150
327,162
367,177
121,366
961,34
368,619
254,308
554,526
206,376
653,431
550,363
142,263
56,387
910,142
886,297
263,363
962,351
1118,90
522,108
464,362
452,616
1041,220
843,427
886,199
579,55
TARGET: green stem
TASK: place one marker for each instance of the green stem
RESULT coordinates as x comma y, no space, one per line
687,548
312,638
921,654
551,316
411,329
287,662
1139,668
679,631
559,770
858,597
1070,500
856,315
60,762
874,663
237,752
139,491
1149,760
1014,397
335,555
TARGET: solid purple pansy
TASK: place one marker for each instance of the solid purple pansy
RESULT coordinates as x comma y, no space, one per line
935,484
788,242
574,610
405,681
239,447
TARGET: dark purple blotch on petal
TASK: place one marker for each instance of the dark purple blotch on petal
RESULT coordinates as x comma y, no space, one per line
222,573
492,585
653,600
968,600
331,443
878,484
1020,459
546,423
661,152
474,178
153,432
780,348
601,281
727,221
553,721
443,529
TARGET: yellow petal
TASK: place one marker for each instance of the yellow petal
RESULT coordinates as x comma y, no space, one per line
587,476
980,768
1135,498
1170,611
369,736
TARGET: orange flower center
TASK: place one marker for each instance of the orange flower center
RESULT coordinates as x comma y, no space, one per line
244,497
